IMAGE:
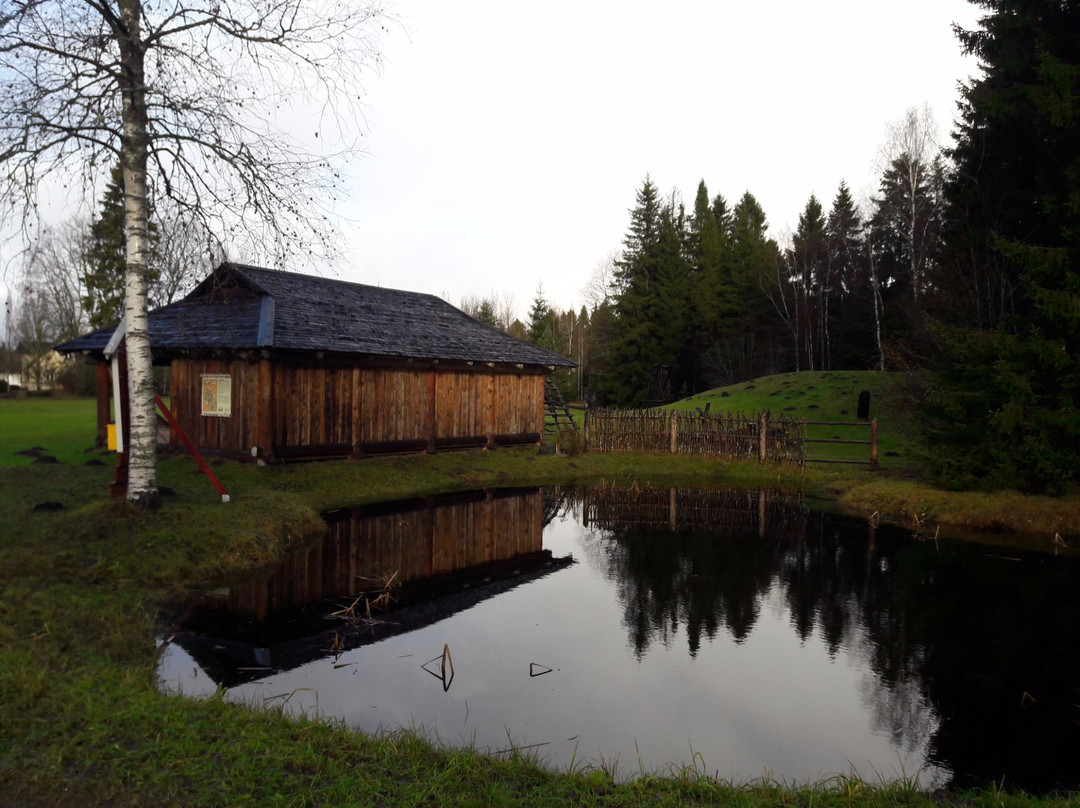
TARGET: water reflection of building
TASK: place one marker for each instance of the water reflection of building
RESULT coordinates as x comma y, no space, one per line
424,559
412,540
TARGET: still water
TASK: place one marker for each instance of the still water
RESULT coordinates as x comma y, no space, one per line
645,630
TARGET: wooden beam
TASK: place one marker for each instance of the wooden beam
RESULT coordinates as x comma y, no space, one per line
102,404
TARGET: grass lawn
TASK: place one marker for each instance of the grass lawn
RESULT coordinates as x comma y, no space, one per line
63,425
82,721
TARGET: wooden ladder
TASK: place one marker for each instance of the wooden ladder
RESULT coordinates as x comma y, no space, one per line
557,414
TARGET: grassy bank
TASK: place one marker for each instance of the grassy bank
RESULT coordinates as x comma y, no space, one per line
84,724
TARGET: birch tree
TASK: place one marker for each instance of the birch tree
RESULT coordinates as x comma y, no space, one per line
193,98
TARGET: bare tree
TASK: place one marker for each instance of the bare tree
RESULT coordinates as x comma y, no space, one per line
598,289
56,265
190,96
34,330
911,157
184,250
505,309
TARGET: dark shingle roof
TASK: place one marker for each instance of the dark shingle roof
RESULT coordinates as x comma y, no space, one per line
243,307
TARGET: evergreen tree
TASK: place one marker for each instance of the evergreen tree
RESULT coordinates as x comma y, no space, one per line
906,226
107,255
710,298
486,314
851,317
747,342
539,328
809,262
1009,384
650,294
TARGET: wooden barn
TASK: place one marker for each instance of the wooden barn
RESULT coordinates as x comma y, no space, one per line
278,366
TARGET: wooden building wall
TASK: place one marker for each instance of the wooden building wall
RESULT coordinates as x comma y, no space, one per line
314,409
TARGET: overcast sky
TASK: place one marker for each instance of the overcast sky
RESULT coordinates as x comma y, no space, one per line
506,141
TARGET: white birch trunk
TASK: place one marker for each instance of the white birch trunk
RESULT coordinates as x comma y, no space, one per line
142,449
879,304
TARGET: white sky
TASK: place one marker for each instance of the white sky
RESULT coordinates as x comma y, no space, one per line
507,141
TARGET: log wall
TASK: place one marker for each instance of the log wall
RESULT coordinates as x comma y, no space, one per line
312,409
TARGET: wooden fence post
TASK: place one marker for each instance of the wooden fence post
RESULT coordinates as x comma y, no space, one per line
585,431
763,428
674,432
873,445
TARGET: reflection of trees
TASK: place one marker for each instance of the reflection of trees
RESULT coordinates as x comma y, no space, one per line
690,558
688,579
972,657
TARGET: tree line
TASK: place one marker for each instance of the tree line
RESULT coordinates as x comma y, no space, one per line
706,297
964,266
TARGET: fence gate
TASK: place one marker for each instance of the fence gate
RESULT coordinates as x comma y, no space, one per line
872,442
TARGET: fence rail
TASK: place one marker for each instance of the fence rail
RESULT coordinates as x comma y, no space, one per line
769,438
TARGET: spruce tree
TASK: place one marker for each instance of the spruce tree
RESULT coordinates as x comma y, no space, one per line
709,296
107,255
1008,387
851,317
540,328
486,314
650,296
810,274
749,340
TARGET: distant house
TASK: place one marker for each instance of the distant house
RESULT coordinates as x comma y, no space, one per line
277,365
41,367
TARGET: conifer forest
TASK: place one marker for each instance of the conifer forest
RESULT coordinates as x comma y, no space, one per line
963,267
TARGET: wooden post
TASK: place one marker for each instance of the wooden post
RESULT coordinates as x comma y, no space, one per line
585,430
873,445
763,428
118,487
102,404
674,432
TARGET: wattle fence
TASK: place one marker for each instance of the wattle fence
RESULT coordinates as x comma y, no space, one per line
768,438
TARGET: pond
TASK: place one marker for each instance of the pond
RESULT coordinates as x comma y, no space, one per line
645,630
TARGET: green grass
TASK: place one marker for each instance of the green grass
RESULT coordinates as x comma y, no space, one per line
82,721
63,425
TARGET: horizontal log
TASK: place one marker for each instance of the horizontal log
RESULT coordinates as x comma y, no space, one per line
838,423
837,440
314,451
393,446
517,439
464,442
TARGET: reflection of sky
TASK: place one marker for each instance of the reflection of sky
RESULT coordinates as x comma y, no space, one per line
770,705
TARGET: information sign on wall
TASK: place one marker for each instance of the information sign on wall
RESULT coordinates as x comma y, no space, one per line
217,394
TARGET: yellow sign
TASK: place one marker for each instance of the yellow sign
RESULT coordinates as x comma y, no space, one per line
217,394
